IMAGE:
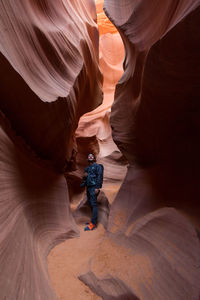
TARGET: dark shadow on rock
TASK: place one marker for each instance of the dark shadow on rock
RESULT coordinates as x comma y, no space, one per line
108,288
198,233
82,213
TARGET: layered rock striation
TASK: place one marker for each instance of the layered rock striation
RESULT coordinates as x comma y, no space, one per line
151,250
49,72
94,132
49,78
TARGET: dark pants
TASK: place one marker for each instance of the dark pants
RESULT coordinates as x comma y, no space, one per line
92,200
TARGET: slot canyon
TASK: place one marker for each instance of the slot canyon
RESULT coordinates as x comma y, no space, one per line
119,79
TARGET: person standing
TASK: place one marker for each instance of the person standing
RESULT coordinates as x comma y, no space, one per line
92,179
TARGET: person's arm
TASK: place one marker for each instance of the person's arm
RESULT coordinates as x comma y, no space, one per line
99,178
84,180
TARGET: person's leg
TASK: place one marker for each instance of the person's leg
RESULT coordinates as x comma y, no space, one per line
93,202
88,198
89,203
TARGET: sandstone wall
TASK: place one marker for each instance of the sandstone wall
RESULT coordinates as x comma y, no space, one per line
151,250
49,78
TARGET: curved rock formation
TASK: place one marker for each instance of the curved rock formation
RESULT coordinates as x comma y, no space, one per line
97,122
54,48
163,116
94,131
49,78
140,33
152,247
144,261
35,216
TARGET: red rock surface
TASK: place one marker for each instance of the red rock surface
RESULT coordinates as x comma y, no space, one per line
151,250
49,78
35,216
93,135
97,122
94,132
131,18
56,54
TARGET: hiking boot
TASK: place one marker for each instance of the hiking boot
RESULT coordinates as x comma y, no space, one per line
90,227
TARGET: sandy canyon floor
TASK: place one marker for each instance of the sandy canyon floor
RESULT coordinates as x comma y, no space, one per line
67,260
71,258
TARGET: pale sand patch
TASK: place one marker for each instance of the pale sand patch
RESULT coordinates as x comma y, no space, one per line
69,259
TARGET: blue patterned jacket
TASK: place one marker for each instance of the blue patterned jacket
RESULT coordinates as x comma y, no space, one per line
95,176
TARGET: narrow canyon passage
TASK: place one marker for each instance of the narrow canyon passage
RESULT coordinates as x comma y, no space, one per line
72,258
128,91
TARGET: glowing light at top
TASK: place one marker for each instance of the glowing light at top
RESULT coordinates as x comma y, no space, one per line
104,24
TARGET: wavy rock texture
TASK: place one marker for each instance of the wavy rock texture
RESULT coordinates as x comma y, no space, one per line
152,247
93,135
94,131
50,77
54,48
111,53
139,33
35,216
129,262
